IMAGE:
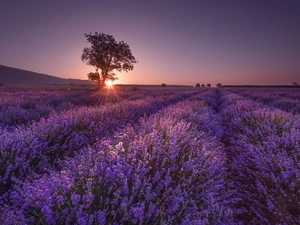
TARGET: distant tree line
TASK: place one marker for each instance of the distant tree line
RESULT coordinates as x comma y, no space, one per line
208,85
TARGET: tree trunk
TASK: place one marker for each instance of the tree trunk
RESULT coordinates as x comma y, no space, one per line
104,77
99,84
101,81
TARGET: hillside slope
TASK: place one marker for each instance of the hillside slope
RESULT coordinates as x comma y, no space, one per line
10,75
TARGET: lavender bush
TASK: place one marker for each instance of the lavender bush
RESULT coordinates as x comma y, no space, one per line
48,141
165,170
264,153
150,156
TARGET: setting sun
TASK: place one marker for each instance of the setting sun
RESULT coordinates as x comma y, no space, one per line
109,83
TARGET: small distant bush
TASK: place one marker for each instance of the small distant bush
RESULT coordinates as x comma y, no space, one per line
219,85
202,85
135,88
197,85
163,85
208,85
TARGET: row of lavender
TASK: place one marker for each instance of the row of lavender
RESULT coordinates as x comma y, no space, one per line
166,169
43,144
21,107
263,151
287,99
216,158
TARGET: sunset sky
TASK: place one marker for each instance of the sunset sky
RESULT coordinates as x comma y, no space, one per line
175,42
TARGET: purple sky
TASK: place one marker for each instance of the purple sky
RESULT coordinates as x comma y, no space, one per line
176,42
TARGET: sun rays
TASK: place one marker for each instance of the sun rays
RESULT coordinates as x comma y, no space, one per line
108,94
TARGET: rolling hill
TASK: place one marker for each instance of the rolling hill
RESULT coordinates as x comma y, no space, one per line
14,76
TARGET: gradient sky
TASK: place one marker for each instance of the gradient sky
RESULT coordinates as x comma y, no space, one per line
175,42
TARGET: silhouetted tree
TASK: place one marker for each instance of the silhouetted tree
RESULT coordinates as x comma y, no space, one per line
163,85
219,85
202,85
94,77
197,85
295,83
107,55
208,85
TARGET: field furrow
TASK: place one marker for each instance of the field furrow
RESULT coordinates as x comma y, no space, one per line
44,144
287,100
151,156
168,168
263,151
21,108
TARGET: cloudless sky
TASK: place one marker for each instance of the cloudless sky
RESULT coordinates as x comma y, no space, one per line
175,42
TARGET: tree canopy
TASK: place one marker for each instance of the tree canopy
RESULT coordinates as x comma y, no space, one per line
107,55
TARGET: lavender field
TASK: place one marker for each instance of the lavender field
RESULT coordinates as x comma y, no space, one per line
150,155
